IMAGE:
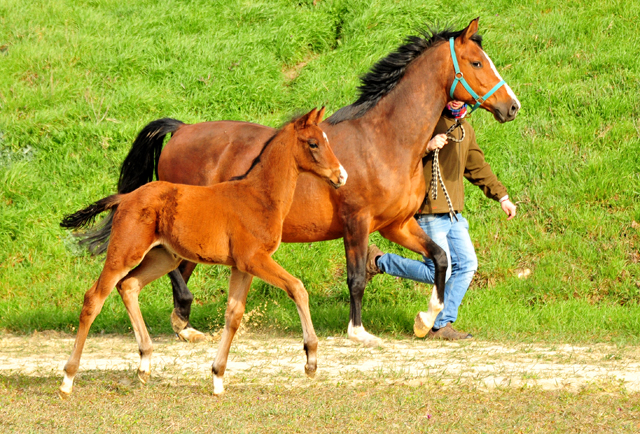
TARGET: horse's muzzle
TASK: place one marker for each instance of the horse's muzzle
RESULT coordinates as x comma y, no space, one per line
341,177
506,112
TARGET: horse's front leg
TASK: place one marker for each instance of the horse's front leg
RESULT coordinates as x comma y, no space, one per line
356,238
411,236
265,268
182,299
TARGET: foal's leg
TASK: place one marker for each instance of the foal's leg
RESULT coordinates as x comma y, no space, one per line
155,264
182,299
412,237
264,267
93,301
239,284
356,238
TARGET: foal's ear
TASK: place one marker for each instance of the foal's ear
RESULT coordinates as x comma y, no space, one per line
320,116
307,119
471,30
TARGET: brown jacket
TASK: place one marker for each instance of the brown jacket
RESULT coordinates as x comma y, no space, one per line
458,160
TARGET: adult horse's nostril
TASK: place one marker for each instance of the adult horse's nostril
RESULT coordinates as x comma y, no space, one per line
513,111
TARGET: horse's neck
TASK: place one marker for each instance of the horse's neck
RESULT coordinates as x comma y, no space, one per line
410,112
274,178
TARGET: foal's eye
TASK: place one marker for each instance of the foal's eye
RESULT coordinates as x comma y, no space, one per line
476,64
313,144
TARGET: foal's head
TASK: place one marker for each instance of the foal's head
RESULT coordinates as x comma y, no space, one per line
313,152
481,75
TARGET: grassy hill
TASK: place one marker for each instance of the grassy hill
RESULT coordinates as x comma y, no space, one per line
79,79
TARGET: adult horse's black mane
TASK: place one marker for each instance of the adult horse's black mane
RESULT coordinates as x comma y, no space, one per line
387,72
256,160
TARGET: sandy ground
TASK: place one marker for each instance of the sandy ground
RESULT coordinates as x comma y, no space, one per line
256,360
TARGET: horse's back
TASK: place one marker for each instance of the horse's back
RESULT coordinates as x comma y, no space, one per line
207,153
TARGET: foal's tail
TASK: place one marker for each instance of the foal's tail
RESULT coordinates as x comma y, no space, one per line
97,239
138,168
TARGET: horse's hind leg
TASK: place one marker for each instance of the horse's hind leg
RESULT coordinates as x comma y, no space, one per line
239,285
155,264
93,301
182,299
264,267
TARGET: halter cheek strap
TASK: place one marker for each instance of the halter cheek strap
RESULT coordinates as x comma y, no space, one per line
459,77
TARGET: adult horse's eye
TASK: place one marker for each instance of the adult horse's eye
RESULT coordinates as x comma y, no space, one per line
313,144
476,64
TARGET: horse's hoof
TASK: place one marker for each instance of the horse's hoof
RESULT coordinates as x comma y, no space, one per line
63,395
218,386
310,371
177,323
361,336
420,329
373,341
143,376
192,335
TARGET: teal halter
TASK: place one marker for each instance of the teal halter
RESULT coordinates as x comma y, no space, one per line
459,77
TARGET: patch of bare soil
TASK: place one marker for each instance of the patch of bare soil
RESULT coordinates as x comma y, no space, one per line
257,360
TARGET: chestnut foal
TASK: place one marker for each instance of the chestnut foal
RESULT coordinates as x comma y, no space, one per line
236,223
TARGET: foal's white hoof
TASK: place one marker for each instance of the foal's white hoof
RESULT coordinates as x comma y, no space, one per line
422,324
66,387
218,387
360,335
310,371
143,376
63,395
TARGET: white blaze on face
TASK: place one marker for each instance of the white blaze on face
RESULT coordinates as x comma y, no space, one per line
506,86
343,175
325,137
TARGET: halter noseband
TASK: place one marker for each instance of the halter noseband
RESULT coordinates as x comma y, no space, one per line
459,77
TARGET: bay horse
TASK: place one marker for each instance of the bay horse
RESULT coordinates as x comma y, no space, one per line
236,223
380,139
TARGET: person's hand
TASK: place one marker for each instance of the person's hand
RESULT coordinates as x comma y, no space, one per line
509,208
437,142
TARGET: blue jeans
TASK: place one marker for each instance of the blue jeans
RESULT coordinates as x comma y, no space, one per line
454,238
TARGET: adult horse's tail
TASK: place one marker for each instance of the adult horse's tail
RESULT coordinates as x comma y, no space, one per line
138,168
142,162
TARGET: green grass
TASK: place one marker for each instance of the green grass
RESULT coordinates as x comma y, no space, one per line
109,402
80,79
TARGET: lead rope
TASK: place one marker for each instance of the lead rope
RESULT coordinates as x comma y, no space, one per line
437,176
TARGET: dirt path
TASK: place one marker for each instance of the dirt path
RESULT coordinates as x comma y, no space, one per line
257,360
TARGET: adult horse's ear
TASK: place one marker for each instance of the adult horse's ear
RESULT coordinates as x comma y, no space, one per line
471,30
320,116
306,120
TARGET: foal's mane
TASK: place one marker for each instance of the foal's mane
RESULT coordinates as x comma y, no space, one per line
388,71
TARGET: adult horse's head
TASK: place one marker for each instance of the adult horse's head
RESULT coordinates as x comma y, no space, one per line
313,152
476,80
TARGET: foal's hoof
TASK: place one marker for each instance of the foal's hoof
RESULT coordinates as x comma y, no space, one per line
218,386
421,326
143,376
192,335
310,371
63,395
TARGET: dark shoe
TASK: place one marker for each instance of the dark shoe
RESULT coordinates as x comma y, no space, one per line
448,333
373,253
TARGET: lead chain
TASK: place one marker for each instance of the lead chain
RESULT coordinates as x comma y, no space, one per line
437,176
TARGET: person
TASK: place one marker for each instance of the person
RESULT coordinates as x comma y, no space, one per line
460,159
